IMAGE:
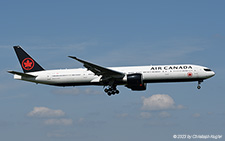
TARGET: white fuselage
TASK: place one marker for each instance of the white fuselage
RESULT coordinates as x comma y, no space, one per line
151,74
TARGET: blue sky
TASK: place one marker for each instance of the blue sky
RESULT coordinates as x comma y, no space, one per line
112,33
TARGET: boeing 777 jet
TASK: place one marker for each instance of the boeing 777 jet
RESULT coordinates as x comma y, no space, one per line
134,78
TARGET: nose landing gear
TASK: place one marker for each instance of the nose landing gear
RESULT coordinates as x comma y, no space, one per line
199,83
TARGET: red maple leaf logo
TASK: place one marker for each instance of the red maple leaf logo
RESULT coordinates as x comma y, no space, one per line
28,63
189,74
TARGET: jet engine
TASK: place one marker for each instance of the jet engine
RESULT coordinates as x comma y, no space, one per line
135,82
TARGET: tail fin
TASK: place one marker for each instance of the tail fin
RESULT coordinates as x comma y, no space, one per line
27,63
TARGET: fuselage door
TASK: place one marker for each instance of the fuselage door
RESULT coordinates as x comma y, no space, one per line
49,76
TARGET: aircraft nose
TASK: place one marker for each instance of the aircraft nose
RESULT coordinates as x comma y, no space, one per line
209,73
213,73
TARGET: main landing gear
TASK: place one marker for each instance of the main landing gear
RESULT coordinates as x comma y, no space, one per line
199,83
111,90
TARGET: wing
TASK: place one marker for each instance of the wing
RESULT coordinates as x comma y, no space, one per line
99,70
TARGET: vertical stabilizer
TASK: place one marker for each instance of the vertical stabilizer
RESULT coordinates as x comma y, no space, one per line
27,63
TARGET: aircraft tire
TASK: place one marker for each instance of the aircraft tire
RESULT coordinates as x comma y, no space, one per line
109,93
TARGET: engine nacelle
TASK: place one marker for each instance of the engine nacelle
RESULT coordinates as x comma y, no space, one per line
135,82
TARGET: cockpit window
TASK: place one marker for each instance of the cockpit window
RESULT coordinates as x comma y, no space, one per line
207,70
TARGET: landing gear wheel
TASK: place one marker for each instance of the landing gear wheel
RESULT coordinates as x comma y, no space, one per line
106,90
198,87
111,91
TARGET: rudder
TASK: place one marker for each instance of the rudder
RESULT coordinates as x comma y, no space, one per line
27,63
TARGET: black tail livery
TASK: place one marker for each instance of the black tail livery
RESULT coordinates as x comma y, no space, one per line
27,63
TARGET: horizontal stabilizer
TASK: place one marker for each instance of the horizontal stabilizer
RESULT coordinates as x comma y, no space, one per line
21,74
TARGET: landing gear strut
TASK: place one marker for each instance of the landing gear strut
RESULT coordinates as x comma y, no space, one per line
111,90
199,83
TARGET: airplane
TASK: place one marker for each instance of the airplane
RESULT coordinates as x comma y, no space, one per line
134,77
